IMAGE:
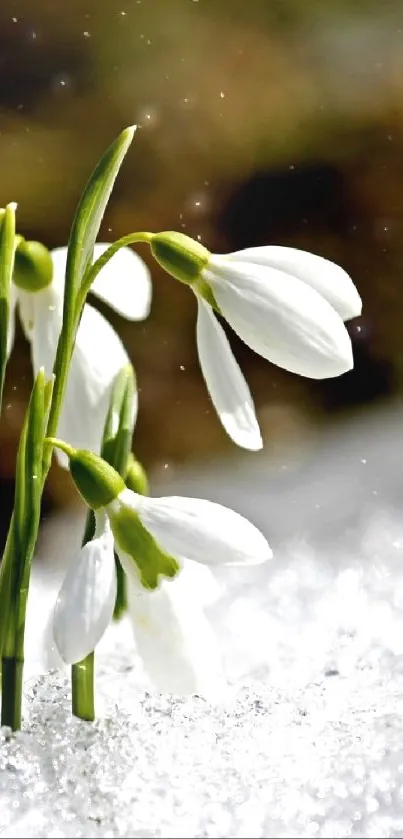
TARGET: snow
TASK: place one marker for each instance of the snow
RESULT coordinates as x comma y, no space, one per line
307,741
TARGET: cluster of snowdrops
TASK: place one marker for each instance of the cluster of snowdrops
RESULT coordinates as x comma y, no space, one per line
287,305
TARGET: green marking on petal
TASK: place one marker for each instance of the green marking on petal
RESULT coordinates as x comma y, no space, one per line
132,537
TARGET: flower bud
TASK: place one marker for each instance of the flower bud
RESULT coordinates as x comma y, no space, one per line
33,266
180,255
97,482
95,479
136,478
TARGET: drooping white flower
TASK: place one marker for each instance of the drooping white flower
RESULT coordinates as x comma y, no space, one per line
172,635
99,354
287,305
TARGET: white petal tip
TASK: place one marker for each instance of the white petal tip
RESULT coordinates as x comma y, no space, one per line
228,389
251,442
353,307
264,556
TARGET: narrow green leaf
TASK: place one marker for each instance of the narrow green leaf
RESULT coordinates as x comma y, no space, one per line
48,393
116,446
16,565
5,585
91,209
26,537
83,235
20,488
28,486
118,430
7,250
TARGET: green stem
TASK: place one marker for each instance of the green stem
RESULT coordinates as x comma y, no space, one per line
93,271
60,369
82,689
121,596
82,673
11,684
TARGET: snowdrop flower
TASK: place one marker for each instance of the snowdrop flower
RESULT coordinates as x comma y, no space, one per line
157,541
38,288
287,305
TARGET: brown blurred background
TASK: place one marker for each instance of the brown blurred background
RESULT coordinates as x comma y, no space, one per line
266,121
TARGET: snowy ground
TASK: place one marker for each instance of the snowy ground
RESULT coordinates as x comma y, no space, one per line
309,740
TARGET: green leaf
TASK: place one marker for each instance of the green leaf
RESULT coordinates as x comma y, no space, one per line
34,430
83,234
118,431
116,445
16,565
136,477
7,250
90,211
28,479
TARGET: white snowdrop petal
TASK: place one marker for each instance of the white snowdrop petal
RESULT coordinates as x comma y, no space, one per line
287,322
200,530
329,279
124,283
59,259
173,637
41,319
97,358
86,600
229,392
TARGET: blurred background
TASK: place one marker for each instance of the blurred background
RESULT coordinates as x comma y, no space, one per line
259,122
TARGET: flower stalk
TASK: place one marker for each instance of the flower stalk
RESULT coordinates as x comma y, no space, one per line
116,445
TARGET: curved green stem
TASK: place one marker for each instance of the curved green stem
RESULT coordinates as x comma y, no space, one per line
71,319
93,271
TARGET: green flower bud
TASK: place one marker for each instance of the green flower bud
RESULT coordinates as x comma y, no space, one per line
139,546
97,482
33,266
180,255
136,478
